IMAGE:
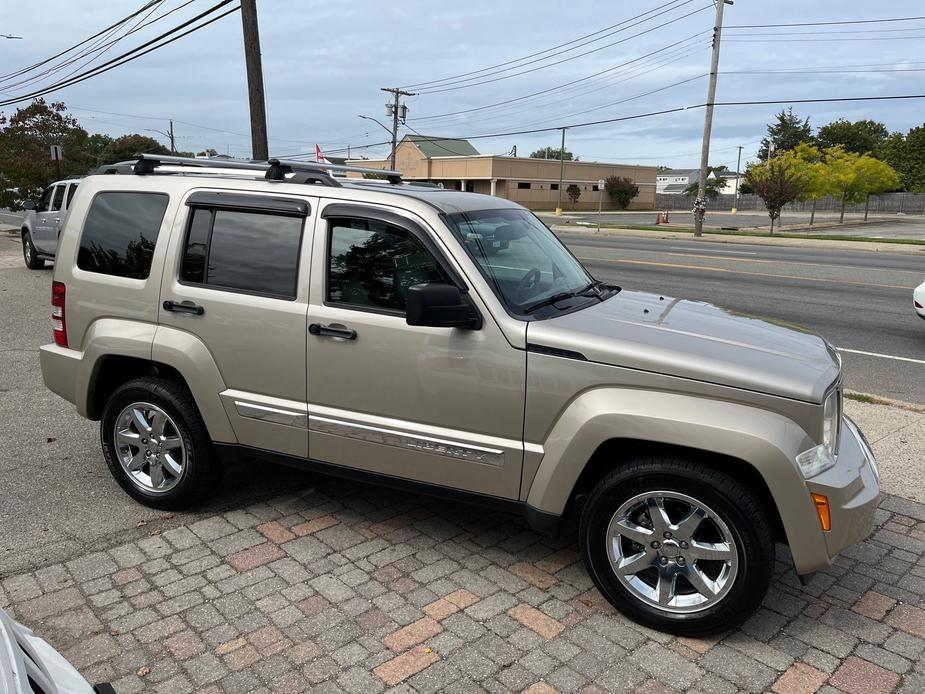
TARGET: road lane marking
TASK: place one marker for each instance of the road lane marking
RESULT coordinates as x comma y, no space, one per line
683,248
707,268
881,356
916,273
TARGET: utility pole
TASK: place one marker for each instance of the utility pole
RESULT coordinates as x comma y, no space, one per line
561,173
735,201
259,149
700,208
173,143
398,112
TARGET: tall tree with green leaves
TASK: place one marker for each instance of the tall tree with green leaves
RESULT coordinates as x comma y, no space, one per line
860,137
129,146
552,153
906,154
26,138
573,192
855,176
785,133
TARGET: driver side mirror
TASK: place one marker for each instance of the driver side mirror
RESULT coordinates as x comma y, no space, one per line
441,306
29,205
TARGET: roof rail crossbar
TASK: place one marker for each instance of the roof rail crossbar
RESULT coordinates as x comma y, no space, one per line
273,169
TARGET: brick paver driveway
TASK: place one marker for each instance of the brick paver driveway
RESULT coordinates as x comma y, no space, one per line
350,588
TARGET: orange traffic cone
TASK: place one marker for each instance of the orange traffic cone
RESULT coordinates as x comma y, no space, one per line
658,218
666,217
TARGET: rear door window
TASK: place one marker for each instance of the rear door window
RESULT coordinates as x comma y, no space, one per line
70,195
251,252
58,198
120,233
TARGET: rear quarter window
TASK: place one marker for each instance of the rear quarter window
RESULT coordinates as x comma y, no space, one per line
120,233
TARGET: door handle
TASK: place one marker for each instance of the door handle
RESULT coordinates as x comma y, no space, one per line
330,331
184,307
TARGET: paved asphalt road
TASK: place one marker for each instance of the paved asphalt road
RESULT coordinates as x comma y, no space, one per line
858,300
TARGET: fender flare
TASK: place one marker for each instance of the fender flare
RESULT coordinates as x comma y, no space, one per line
763,439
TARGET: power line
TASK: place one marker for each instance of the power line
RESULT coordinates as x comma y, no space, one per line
816,24
847,38
644,68
128,56
563,85
98,49
564,60
817,72
77,45
484,72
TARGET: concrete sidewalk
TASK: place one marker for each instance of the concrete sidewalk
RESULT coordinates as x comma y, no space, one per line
344,587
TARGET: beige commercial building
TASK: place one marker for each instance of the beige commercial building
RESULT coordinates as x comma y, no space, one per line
534,183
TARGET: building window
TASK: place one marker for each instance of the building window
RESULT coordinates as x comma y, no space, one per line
523,185
554,186
594,188
120,232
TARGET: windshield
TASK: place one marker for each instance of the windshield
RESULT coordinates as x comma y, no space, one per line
519,256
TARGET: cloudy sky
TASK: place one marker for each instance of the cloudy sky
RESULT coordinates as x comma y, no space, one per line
552,63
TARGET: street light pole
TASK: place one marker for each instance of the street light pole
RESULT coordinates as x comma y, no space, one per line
735,201
699,204
561,172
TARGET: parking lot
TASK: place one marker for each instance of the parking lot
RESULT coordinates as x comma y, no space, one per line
288,581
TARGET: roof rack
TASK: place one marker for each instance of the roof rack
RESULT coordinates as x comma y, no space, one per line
272,169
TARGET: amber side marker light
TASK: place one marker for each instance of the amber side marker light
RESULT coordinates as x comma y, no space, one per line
822,510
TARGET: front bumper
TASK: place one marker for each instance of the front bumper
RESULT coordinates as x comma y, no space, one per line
852,488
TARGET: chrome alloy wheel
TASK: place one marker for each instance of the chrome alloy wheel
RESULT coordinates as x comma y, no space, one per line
27,250
672,552
149,447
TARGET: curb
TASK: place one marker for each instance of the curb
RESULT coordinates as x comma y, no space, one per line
869,246
868,399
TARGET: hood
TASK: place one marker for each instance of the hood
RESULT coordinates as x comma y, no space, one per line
695,340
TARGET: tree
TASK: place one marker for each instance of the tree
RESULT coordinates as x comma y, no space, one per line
906,154
208,153
777,182
96,146
808,161
552,153
860,137
573,192
712,187
130,146
855,177
786,133
25,141
621,190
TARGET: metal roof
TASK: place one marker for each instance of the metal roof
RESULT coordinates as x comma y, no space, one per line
441,146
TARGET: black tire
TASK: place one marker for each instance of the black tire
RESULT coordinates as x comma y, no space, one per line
201,468
742,513
29,254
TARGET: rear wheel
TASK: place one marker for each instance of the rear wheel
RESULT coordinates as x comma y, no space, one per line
29,254
156,444
677,545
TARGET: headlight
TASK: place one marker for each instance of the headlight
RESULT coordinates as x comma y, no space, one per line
822,457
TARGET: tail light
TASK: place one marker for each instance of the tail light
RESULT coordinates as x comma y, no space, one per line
58,320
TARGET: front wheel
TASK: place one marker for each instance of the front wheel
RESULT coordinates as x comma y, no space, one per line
677,546
29,254
156,444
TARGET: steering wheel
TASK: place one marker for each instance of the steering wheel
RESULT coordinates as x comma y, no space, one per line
529,281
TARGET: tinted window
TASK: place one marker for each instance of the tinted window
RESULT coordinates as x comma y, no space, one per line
58,199
45,203
70,194
248,251
120,233
373,264
523,186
